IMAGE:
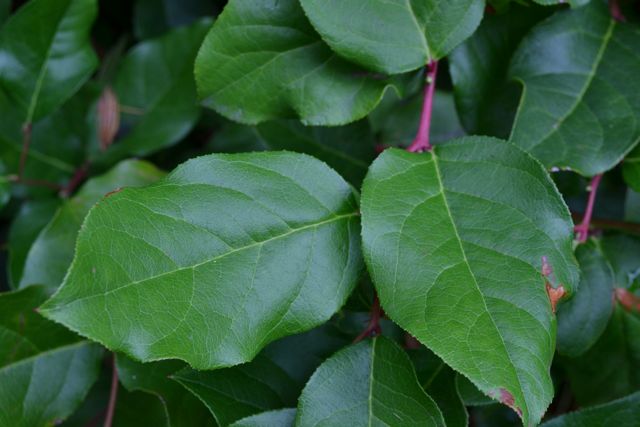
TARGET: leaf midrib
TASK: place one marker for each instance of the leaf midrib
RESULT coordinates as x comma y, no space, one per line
468,265
254,244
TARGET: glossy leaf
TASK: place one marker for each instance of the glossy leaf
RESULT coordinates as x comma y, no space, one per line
46,55
394,36
370,383
622,253
579,111
262,60
583,318
181,407
44,371
156,84
469,286
272,380
279,418
631,169
348,149
52,251
487,101
31,219
229,228
621,412
609,370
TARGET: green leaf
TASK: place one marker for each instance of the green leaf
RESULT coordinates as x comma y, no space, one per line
5,10
583,318
31,219
370,383
155,78
632,206
46,54
631,169
279,418
262,60
272,380
394,36
609,369
52,251
45,373
486,100
470,394
151,18
622,253
621,412
181,407
5,187
348,149
454,241
265,245
580,111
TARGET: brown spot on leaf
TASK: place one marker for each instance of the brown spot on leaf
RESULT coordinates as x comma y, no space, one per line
117,190
555,295
628,300
505,397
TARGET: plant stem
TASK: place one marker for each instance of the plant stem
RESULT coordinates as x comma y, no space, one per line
616,11
77,178
26,142
421,142
582,230
632,227
373,328
113,395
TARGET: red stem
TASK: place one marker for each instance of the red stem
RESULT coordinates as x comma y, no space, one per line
113,395
582,230
421,142
77,178
373,328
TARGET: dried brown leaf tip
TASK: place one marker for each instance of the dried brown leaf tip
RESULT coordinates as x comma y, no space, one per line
628,300
108,117
555,294
506,398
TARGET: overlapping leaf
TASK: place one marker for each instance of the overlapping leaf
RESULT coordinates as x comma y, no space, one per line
631,169
279,418
262,60
579,110
456,252
621,412
45,54
370,383
45,371
394,36
225,255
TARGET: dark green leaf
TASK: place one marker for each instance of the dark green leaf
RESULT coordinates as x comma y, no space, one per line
579,111
279,418
621,412
470,394
151,18
348,149
44,371
394,36
631,169
370,383
5,10
583,318
31,219
265,245
455,252
262,60
156,85
632,206
46,54
609,369
183,409
486,100
5,188
622,253
52,251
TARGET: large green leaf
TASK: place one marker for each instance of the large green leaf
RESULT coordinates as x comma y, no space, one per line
486,100
273,380
609,369
156,78
370,383
32,217
454,240
583,318
348,149
262,60
225,255
52,251
45,54
621,412
279,418
579,111
394,36
183,409
44,371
